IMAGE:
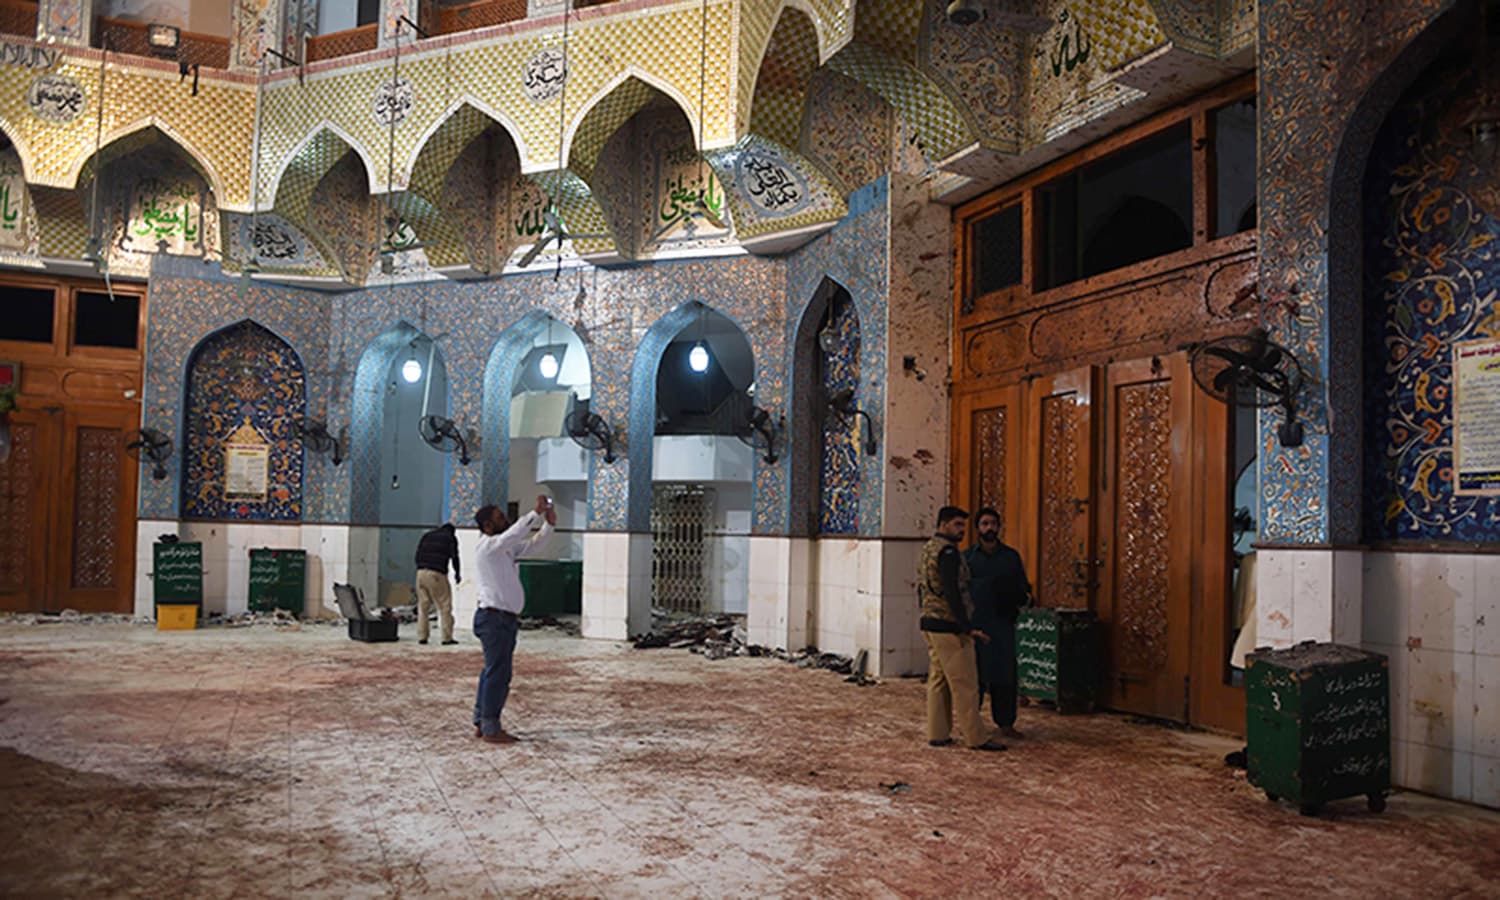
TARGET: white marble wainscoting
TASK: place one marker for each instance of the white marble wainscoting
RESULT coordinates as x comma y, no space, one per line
363,561
1308,595
1437,617
616,585
841,595
226,559
780,591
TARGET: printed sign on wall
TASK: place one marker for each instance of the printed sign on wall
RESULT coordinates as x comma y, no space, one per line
1476,417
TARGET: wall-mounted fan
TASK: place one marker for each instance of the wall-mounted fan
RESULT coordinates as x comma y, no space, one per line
591,432
842,412
1252,370
443,434
150,445
757,429
315,436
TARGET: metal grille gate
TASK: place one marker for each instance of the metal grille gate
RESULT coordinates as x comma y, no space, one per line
679,527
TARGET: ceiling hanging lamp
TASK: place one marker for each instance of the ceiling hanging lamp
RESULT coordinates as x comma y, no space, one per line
547,365
698,356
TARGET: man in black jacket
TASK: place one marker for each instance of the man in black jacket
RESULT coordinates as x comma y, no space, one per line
434,550
999,588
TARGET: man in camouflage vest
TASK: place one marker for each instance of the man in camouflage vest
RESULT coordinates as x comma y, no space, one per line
952,678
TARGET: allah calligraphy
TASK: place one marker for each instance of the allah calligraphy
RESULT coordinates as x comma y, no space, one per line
770,184
1070,50
544,75
393,102
55,98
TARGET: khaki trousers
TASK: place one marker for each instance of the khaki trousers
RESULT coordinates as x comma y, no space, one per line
953,684
432,590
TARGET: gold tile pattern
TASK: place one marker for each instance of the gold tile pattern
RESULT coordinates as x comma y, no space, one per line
941,125
1118,30
782,83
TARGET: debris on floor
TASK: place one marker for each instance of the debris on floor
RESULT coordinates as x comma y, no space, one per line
720,637
535,623
74,617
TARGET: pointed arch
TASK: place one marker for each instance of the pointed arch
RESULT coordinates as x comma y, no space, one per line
23,151
779,83
138,135
611,107
644,370
242,383
310,160
367,417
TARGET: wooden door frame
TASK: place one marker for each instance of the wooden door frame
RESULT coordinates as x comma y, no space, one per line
965,492
1169,697
1082,381
1214,703
34,596
63,520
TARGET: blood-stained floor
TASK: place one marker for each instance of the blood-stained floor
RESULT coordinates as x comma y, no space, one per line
272,762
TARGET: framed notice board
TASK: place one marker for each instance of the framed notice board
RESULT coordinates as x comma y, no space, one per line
177,573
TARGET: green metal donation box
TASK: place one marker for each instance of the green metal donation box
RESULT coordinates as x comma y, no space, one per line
1318,724
278,580
177,573
551,587
1057,657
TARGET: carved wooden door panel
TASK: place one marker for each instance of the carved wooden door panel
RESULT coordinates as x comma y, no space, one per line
1146,535
92,556
25,479
989,444
1057,494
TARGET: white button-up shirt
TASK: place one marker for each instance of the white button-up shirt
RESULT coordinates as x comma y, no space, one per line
495,561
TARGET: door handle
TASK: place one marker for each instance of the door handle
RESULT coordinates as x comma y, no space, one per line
1079,505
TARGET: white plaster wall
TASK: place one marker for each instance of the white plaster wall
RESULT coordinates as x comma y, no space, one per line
1437,617
1308,595
915,442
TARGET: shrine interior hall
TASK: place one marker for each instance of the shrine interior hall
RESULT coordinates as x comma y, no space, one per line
1200,298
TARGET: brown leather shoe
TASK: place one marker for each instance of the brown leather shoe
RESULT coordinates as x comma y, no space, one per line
500,738
1010,732
991,745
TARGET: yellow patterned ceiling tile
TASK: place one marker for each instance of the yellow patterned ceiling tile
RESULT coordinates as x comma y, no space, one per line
603,119
891,25
782,82
943,126
62,227
1117,31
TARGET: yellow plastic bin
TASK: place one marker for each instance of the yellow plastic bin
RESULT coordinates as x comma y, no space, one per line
176,617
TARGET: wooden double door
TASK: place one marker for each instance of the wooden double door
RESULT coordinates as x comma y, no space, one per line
67,510
1114,484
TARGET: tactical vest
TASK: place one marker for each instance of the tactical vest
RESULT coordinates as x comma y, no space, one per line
930,581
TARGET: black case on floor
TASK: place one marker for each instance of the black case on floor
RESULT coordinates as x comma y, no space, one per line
372,631
363,626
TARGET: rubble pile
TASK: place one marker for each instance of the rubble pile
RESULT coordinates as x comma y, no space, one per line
278,618
534,623
720,637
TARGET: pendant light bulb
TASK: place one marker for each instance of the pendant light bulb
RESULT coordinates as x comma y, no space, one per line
411,370
547,365
698,358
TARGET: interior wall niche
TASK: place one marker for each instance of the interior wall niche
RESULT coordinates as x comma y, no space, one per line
1432,223
245,387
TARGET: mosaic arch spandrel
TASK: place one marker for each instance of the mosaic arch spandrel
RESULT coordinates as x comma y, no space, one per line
1317,63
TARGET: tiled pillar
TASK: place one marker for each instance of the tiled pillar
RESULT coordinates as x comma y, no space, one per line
66,22
780,589
616,585
254,27
1308,595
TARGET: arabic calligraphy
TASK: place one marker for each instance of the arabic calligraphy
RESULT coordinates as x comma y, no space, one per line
544,75
681,197
164,214
271,241
55,98
771,184
393,101
1071,50
13,204
28,56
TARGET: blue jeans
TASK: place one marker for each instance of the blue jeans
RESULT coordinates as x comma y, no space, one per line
496,631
